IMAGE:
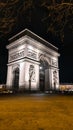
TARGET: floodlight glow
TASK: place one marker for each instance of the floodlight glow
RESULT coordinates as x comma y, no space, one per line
41,67
21,47
30,47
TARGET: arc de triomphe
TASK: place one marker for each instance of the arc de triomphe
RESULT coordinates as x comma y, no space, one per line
32,63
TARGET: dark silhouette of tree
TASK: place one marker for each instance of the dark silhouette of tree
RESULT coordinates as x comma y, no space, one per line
56,15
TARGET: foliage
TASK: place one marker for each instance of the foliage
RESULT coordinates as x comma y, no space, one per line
56,15
60,16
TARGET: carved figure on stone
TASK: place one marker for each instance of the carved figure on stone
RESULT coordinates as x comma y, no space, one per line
31,75
55,79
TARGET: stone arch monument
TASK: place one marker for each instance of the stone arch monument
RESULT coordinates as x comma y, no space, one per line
32,63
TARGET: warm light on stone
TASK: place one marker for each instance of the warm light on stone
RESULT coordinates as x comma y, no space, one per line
31,64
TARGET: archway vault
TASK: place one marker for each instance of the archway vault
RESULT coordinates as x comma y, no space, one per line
43,57
44,73
15,79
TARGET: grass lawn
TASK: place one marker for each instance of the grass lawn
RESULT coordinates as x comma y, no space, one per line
36,112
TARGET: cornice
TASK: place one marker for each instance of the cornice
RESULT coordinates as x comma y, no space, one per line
34,36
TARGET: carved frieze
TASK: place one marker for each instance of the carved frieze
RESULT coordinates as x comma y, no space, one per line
17,55
54,63
32,54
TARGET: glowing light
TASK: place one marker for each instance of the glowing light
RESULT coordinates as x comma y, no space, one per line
41,67
30,47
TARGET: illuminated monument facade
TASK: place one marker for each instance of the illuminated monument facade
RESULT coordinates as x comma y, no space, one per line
32,63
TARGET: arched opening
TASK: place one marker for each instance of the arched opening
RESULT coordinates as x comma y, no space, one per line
43,74
16,79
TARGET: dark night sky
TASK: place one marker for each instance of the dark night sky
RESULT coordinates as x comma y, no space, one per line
38,27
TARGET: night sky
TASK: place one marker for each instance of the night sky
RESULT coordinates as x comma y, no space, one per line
31,16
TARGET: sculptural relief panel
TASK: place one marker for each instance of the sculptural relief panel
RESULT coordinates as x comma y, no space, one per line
54,63
32,54
16,56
